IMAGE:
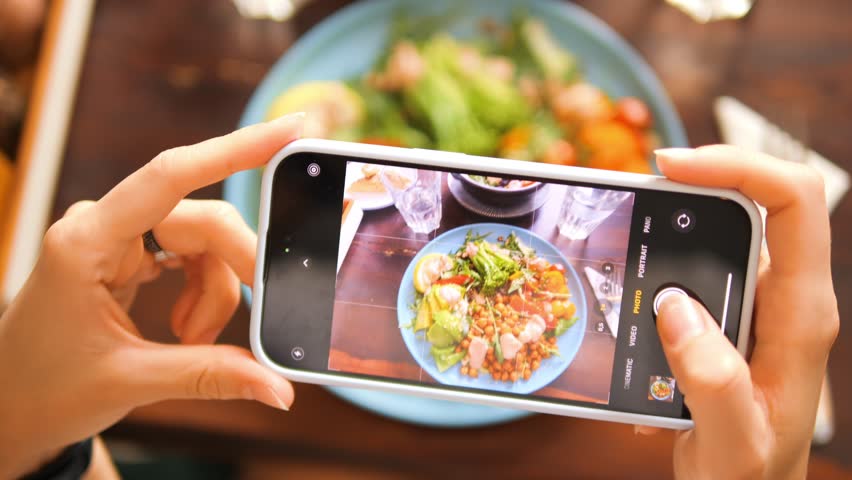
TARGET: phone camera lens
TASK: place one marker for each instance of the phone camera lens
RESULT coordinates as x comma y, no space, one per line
313,170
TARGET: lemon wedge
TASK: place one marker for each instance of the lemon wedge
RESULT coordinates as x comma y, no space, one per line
429,269
329,107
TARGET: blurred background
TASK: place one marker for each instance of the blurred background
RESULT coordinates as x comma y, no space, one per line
91,90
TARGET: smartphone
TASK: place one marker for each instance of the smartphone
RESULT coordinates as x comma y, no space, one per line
505,283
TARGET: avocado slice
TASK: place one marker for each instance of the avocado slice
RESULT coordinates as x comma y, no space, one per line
446,357
424,316
446,329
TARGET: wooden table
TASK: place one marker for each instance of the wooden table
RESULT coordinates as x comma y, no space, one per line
162,73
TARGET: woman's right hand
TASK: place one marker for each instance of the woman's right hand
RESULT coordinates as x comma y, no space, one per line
754,418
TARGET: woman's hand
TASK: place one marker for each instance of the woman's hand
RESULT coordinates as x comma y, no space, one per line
755,419
72,361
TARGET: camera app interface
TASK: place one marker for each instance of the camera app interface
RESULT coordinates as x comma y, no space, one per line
488,283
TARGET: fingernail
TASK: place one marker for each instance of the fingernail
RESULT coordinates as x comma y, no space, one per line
267,395
297,118
679,320
675,153
635,430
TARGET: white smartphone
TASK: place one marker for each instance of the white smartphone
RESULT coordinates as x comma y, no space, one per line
505,283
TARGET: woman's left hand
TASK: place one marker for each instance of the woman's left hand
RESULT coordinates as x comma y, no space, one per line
72,361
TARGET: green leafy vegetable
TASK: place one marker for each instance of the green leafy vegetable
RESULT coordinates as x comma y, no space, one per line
446,357
471,237
563,325
496,103
498,350
439,101
551,60
493,266
446,330
385,120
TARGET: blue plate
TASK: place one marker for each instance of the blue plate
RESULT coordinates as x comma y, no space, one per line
348,43
569,342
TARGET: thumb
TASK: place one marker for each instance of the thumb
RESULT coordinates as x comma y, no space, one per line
714,378
215,372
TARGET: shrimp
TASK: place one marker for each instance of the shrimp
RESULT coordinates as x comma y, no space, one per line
405,67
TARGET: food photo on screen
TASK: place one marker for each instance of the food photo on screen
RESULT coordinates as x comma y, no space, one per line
480,282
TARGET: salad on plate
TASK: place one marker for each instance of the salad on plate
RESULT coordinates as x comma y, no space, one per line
510,91
491,307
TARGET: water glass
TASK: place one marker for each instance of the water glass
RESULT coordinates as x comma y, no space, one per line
417,196
584,209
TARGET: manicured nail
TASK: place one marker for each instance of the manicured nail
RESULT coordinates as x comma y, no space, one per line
675,153
679,320
267,395
295,117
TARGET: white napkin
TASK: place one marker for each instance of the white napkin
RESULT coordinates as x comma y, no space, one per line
743,127
612,313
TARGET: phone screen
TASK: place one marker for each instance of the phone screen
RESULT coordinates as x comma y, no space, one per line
462,280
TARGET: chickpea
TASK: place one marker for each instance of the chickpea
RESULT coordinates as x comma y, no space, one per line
464,370
489,330
513,376
458,348
527,374
536,364
505,376
516,331
507,364
490,352
552,340
481,323
497,367
474,373
465,343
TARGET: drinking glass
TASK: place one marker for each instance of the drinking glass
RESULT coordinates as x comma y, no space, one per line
584,209
417,196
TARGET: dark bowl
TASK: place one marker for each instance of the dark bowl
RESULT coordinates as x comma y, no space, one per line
497,196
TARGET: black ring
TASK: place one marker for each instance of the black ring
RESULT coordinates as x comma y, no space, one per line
150,242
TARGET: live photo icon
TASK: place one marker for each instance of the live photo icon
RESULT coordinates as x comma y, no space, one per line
297,353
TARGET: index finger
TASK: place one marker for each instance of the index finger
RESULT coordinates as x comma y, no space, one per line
797,226
147,196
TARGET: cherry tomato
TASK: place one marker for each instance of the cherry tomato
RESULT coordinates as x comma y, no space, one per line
457,280
633,112
560,152
517,303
